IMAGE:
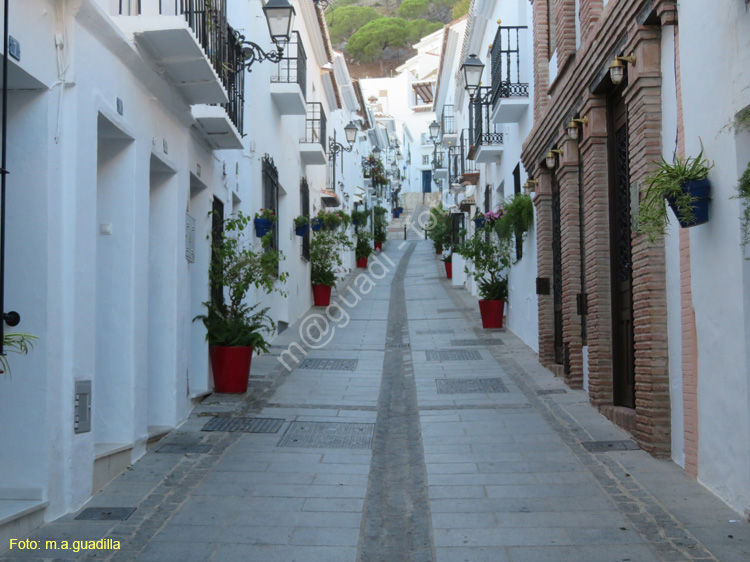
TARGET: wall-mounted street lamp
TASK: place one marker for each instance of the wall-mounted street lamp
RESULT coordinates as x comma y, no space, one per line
336,148
434,129
551,158
617,68
279,16
574,125
472,69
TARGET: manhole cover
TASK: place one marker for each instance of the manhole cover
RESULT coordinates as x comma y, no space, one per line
329,435
182,448
551,391
454,355
470,386
443,331
105,514
247,425
606,446
329,364
483,341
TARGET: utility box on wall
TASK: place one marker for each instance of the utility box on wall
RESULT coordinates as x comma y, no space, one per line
82,410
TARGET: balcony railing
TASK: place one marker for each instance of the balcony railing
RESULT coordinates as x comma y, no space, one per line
292,68
315,125
506,64
482,131
447,121
465,165
220,43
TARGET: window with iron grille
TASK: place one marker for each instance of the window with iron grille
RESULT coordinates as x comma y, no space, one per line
271,197
304,198
457,227
425,160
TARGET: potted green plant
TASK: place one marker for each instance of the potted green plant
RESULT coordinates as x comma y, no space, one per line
380,229
478,219
359,218
516,218
301,225
363,249
325,260
346,219
448,261
685,186
331,221
234,329
438,229
490,256
17,342
743,193
264,220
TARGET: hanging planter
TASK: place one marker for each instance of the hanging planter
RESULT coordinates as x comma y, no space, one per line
322,295
231,368
492,313
302,230
262,226
699,192
317,224
479,223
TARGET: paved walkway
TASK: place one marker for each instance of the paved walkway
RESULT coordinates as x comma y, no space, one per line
408,435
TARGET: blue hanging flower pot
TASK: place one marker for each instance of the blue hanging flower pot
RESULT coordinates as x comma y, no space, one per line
317,224
302,230
262,227
479,222
701,189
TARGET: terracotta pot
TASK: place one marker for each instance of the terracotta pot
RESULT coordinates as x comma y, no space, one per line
361,262
231,368
449,269
492,313
322,295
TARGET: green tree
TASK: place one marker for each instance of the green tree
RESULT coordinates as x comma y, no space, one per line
413,9
368,42
346,20
419,28
461,9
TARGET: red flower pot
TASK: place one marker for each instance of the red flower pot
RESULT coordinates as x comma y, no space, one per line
440,253
361,262
449,269
231,368
378,245
492,313
322,295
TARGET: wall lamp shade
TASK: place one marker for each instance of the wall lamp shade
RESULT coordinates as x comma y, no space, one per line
472,69
376,152
434,130
280,17
617,68
351,132
551,158
573,127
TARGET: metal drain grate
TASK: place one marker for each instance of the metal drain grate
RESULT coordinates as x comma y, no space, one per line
607,446
484,341
551,391
427,332
329,364
183,448
398,346
105,514
329,435
470,386
454,355
442,310
247,425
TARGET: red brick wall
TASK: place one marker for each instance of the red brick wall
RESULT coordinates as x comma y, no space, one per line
543,203
565,30
541,60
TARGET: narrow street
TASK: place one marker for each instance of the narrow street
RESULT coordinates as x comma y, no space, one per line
408,433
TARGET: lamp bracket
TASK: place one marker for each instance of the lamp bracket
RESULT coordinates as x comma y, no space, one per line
253,52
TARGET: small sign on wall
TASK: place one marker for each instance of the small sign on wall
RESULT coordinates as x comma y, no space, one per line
189,238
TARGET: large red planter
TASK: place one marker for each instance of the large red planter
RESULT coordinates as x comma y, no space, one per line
449,269
378,245
322,295
361,262
231,368
440,253
492,313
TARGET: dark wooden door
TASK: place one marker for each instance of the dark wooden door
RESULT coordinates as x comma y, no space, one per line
623,348
557,285
217,233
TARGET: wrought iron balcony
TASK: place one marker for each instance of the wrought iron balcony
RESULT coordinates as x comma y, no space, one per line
313,149
448,135
486,141
509,94
289,82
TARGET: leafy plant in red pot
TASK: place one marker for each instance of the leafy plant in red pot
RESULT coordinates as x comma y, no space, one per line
234,329
490,256
325,260
363,250
448,261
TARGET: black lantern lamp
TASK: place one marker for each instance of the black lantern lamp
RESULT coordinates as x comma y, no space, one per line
434,131
280,17
335,148
472,69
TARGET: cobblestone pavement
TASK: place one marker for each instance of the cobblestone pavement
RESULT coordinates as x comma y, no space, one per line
413,435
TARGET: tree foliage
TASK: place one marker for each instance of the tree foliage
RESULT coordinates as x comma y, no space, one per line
461,8
346,20
420,28
413,9
369,41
